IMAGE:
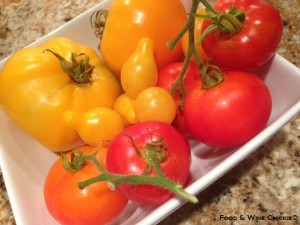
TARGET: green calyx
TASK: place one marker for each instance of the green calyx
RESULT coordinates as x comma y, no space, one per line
230,22
156,148
212,76
79,69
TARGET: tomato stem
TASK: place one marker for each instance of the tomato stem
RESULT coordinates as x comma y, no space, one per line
80,72
114,180
98,20
229,22
210,77
157,146
189,26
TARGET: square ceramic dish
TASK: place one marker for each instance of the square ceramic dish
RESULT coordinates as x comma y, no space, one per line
25,163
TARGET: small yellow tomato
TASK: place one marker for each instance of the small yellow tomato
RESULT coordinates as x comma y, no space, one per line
155,103
96,125
124,106
197,34
139,70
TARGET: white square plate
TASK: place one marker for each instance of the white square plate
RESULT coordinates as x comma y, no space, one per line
25,163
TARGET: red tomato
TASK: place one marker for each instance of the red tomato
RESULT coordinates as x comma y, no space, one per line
124,157
96,204
230,113
166,79
254,44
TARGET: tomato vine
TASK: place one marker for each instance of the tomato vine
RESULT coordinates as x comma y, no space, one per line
151,155
230,22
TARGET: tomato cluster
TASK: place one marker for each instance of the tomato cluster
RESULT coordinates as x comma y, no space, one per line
230,104
164,77
155,157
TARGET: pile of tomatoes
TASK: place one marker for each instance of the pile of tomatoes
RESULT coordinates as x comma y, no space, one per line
132,110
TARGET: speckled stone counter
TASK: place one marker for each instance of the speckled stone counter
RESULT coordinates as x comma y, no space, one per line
266,183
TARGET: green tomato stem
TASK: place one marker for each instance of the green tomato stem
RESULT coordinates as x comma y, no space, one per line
114,180
208,6
230,22
97,21
154,156
189,26
80,72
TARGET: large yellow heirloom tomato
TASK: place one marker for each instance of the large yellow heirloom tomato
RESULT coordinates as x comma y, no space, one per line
129,21
35,90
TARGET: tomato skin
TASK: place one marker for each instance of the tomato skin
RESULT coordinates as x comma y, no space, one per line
124,105
97,125
159,20
122,158
169,73
96,204
231,113
155,103
166,79
254,45
139,71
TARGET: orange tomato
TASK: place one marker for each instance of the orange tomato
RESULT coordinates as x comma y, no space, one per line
96,204
129,21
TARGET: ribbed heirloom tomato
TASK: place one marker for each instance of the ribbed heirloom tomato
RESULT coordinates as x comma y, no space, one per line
35,89
128,21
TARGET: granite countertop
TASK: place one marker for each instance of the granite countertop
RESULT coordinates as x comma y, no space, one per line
266,183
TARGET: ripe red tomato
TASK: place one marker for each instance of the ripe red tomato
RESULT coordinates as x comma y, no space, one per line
254,44
96,204
124,157
166,79
230,113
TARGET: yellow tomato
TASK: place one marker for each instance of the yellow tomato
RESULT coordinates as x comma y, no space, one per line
197,34
128,21
155,103
96,125
124,106
139,70
35,90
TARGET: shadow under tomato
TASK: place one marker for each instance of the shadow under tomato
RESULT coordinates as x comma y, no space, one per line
263,70
203,151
